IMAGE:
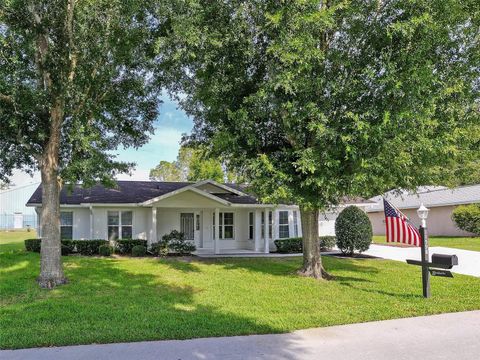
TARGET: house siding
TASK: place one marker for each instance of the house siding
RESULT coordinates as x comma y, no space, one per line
439,221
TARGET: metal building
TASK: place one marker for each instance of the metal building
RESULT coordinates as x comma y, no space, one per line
13,212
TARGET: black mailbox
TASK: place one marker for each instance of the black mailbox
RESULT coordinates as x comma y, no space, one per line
446,261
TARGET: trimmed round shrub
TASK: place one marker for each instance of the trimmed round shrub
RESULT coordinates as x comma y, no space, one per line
467,218
139,250
353,230
105,250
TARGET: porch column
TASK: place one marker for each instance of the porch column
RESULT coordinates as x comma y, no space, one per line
266,237
216,243
258,229
91,223
153,230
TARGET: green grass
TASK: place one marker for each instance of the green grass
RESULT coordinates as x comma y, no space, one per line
131,299
466,243
13,240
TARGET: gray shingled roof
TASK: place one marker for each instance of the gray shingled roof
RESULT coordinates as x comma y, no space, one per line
430,197
128,192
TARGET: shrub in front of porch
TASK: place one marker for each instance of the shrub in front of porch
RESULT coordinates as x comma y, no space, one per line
125,246
139,250
294,245
173,243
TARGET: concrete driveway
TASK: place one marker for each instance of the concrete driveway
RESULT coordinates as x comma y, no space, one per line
446,336
468,261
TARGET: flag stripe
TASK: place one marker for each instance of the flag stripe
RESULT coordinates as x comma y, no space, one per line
398,228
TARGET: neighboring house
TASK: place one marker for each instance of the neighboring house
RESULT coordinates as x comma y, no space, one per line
148,210
326,220
13,212
440,200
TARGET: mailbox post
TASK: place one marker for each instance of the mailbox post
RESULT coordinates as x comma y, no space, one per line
423,214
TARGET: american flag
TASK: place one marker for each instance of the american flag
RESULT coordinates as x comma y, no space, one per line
398,226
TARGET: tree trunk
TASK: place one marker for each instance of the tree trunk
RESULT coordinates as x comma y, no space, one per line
312,260
51,271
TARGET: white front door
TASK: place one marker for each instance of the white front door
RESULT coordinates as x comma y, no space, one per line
17,220
187,225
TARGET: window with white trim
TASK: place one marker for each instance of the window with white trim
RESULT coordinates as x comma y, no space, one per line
270,224
120,225
251,219
66,225
283,228
295,223
226,228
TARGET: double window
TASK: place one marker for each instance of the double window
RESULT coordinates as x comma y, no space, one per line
66,225
270,224
283,228
226,227
120,225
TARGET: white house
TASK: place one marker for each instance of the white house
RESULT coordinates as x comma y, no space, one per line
148,210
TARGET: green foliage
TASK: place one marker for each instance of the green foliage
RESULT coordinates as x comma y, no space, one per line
192,164
105,250
467,218
327,242
89,247
295,245
66,250
83,247
287,246
353,230
166,171
139,250
158,249
125,247
101,87
33,245
314,100
175,243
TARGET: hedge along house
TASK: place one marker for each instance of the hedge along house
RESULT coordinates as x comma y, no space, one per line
216,217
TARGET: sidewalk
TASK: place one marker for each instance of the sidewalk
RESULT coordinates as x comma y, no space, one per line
447,336
468,261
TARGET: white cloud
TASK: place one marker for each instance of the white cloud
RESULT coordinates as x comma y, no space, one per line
21,178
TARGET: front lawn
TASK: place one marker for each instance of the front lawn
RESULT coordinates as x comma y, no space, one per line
465,243
132,299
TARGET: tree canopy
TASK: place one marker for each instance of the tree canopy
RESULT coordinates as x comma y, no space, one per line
192,164
317,100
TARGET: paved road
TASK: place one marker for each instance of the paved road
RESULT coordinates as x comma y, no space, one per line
446,336
468,261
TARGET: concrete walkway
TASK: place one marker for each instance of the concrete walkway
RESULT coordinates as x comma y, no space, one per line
447,336
468,261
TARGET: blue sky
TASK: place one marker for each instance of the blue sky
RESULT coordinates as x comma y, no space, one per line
163,145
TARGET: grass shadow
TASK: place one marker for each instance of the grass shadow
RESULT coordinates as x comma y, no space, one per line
108,300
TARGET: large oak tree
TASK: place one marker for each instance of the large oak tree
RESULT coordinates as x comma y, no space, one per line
317,100
75,83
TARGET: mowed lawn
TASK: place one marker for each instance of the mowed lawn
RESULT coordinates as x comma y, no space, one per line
127,299
465,243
